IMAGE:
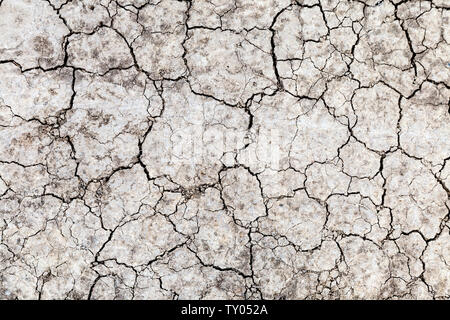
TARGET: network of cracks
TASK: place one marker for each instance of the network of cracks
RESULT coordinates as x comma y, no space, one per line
220,149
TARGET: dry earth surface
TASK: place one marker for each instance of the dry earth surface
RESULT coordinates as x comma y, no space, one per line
220,149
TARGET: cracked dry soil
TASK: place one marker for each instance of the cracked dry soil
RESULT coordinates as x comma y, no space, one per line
220,149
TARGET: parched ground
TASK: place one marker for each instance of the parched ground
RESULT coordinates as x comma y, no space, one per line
220,149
